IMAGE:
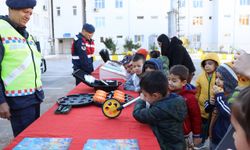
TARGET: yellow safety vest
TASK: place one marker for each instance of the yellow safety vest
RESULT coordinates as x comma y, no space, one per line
20,67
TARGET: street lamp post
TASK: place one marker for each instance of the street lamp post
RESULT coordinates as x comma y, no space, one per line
178,19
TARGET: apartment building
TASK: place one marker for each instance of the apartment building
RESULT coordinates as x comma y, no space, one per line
213,25
139,20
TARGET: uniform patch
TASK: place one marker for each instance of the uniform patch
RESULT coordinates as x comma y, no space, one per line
83,47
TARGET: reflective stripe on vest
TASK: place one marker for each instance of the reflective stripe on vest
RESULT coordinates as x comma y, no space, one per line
17,67
23,92
19,70
75,57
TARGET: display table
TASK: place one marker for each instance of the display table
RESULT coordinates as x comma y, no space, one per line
88,122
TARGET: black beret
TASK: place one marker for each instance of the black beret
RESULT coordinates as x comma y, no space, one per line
20,4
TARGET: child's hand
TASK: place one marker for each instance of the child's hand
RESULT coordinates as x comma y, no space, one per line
197,141
217,89
142,96
212,101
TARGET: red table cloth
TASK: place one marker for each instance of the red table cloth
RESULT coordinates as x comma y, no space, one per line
88,122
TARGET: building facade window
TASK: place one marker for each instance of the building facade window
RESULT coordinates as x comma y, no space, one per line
182,17
140,17
244,20
244,2
196,41
227,16
198,21
119,17
197,3
99,22
45,7
118,3
74,10
99,4
182,3
139,38
58,11
154,17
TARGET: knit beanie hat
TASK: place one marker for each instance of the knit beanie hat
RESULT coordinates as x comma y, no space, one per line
20,4
230,79
143,51
126,59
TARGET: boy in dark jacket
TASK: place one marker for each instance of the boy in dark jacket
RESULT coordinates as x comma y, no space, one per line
226,82
177,80
166,112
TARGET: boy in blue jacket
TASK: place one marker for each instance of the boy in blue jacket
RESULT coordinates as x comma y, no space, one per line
166,112
226,82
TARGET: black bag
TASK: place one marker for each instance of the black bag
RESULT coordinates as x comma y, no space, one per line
104,54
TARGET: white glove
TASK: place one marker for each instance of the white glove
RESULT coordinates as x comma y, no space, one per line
89,78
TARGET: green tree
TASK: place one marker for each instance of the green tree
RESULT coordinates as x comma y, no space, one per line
153,47
129,45
110,44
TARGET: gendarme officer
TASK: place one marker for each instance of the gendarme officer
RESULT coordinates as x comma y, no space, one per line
82,50
20,79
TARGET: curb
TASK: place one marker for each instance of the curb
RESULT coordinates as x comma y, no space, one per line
223,57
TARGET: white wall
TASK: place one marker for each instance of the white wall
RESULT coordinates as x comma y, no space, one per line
128,25
67,25
3,8
67,22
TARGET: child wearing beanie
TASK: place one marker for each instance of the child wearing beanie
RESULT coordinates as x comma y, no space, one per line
127,64
152,64
226,82
143,52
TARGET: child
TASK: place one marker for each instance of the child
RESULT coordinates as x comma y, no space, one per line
152,64
204,85
132,84
177,80
154,54
166,112
226,82
240,120
126,62
143,52
165,62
